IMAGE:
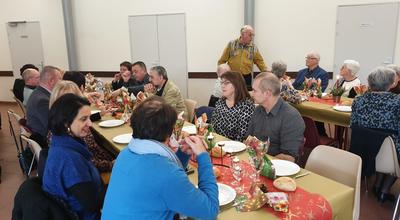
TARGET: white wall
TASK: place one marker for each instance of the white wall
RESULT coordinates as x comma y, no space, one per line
49,14
288,29
285,30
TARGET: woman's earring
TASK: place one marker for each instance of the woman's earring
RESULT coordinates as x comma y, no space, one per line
69,131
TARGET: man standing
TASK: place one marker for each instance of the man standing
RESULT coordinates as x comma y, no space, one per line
31,78
38,104
275,119
161,86
242,53
312,71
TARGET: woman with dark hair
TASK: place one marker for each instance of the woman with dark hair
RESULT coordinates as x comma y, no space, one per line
124,77
233,111
148,180
69,173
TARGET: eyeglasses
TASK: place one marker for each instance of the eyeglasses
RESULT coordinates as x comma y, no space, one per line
310,58
225,83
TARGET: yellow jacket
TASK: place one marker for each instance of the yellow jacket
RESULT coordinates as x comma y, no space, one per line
241,57
172,96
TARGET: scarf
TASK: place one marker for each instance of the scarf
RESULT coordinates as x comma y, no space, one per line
144,146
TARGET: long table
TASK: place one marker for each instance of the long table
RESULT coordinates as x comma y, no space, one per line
339,196
323,112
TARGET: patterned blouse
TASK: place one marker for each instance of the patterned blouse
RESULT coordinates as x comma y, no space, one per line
232,122
378,110
288,93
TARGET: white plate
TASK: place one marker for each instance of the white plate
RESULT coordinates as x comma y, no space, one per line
111,123
94,112
342,108
123,138
226,194
232,146
285,168
191,129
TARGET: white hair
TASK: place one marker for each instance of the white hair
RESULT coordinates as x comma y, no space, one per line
395,68
246,28
352,65
223,68
314,54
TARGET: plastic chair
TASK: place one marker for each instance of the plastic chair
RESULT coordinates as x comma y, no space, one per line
386,161
35,147
13,119
323,160
396,213
313,139
190,106
21,105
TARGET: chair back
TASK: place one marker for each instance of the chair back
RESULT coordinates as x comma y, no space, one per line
310,133
323,160
35,147
190,106
205,109
21,105
366,142
386,161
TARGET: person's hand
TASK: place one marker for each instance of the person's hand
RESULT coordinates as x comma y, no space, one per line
140,96
93,97
285,157
117,77
116,93
149,88
103,110
196,144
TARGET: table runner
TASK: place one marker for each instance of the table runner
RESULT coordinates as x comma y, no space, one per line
302,204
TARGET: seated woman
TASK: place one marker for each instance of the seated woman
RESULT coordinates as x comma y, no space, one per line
233,111
124,77
348,71
288,93
149,181
395,89
102,159
69,173
379,109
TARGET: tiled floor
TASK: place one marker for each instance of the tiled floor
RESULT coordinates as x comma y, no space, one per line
12,177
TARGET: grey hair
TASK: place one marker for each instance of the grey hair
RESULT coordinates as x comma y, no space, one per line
246,28
223,68
48,72
315,54
395,68
27,74
352,65
269,81
160,71
381,78
279,68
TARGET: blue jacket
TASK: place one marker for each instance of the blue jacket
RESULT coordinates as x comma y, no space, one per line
150,186
317,73
69,163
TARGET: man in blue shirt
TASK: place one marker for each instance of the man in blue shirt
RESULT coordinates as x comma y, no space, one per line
312,71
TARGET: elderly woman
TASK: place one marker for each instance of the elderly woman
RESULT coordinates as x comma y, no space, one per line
288,93
233,111
102,159
149,181
395,89
69,173
217,93
348,71
379,109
